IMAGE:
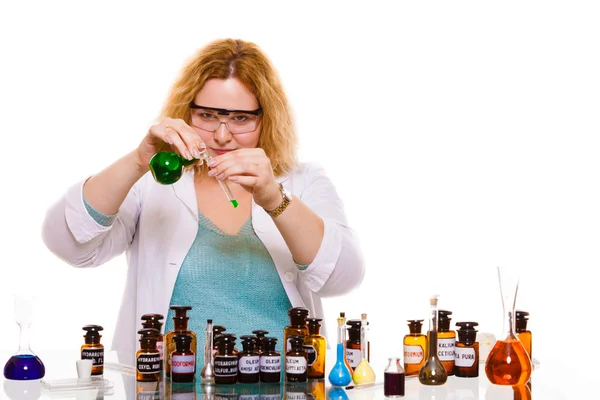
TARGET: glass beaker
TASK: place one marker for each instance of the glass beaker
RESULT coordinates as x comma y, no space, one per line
24,364
508,362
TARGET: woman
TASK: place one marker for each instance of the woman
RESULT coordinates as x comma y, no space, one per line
287,245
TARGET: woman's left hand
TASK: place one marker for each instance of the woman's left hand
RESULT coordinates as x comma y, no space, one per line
250,168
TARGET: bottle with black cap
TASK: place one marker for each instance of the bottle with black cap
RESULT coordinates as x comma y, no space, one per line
226,362
521,329
415,345
260,334
353,345
183,359
93,349
296,327
295,360
315,346
466,362
217,331
270,361
180,327
249,361
446,341
147,358
155,321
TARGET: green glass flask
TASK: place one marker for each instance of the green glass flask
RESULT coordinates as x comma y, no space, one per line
167,168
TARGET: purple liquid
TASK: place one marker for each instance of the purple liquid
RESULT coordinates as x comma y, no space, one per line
24,367
393,384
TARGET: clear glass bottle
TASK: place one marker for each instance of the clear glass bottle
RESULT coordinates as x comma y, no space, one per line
363,374
446,341
415,345
207,373
508,362
522,333
315,346
297,326
433,372
147,358
466,363
92,349
180,327
394,378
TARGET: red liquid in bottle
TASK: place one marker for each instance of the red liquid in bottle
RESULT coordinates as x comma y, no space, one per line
393,384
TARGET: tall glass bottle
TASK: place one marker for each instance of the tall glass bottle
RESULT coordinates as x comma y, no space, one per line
415,345
340,373
522,333
508,362
350,368
180,327
154,321
446,341
208,370
363,374
315,346
433,372
297,326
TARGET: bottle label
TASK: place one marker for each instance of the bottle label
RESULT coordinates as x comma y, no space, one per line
183,364
226,365
96,355
270,364
295,365
160,347
353,356
148,395
296,396
465,356
249,365
311,354
148,363
413,354
446,349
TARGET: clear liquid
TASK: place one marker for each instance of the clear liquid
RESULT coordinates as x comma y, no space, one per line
23,367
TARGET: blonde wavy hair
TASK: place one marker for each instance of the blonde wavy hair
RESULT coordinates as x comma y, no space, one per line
245,61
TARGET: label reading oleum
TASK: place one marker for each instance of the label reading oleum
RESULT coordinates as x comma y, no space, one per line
465,356
353,356
413,354
249,365
295,365
270,364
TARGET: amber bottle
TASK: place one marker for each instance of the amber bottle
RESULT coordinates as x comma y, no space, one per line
315,346
93,349
217,330
226,361
180,327
270,361
155,321
248,361
260,335
521,329
297,326
147,358
295,360
466,363
446,341
183,359
415,345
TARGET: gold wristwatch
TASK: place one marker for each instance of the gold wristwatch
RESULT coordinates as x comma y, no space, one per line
287,199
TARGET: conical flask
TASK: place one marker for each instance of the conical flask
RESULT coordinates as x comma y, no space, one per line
508,363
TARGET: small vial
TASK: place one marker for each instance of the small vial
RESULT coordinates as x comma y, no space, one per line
521,329
415,344
296,327
466,363
270,361
393,379
446,341
183,359
260,335
226,361
93,349
147,358
248,361
155,321
295,360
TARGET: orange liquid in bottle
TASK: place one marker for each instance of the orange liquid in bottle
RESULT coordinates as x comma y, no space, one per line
508,363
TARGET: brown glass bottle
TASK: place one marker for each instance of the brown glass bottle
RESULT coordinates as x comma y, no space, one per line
270,361
260,335
296,327
353,352
248,361
147,358
446,341
93,349
226,362
466,363
155,321
295,360
217,330
521,329
180,327
315,346
183,359
415,345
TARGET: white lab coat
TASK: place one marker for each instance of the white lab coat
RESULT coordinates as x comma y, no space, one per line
157,224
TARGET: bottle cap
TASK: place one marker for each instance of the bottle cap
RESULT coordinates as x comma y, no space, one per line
521,320
467,333
444,320
414,325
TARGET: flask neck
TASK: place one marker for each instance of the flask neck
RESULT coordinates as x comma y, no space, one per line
24,336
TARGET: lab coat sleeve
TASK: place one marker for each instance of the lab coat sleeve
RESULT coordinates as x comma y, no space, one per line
338,266
73,235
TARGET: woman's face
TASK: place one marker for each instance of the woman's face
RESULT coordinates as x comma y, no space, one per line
228,94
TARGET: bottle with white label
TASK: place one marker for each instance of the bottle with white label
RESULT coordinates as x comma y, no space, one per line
295,360
353,345
147,358
226,361
415,345
270,361
93,349
466,353
249,361
155,321
183,359
446,341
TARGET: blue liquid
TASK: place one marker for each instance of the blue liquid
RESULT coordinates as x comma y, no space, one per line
340,374
24,367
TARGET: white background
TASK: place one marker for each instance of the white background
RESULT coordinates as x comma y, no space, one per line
461,136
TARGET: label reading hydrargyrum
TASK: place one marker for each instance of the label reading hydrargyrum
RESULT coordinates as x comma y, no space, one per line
183,364
270,364
446,349
464,356
295,365
249,365
413,354
148,363
353,356
96,355
311,354
226,365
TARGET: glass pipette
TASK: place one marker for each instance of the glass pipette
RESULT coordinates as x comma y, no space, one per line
204,156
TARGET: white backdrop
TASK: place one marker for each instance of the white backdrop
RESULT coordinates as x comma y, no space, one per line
461,136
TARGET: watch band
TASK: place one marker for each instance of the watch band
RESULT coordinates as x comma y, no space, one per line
282,206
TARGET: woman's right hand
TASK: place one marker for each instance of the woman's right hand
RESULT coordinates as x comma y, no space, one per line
169,135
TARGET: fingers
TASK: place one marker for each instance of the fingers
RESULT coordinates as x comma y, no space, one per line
177,133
